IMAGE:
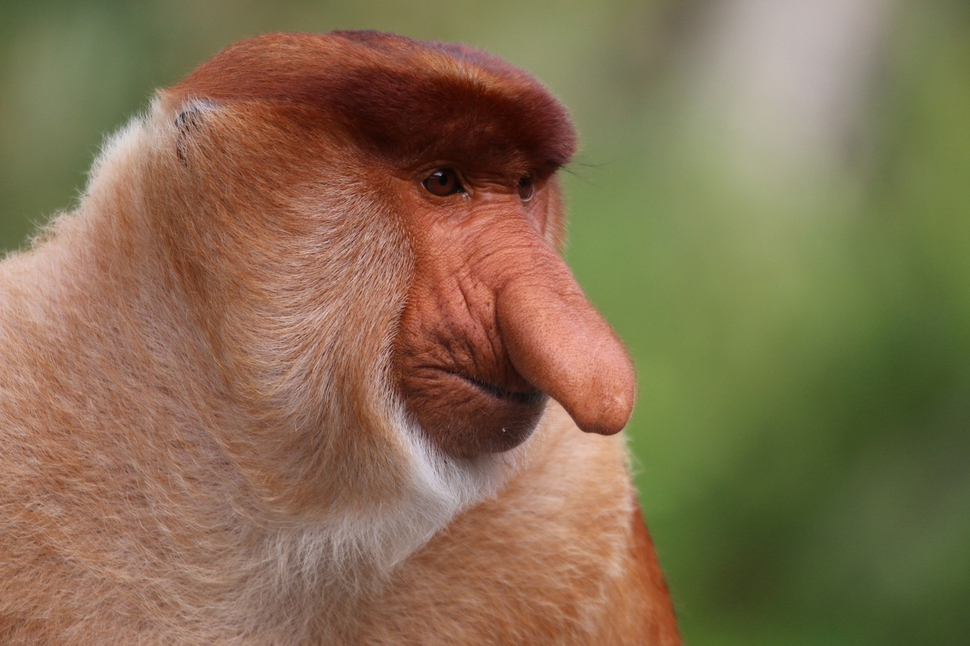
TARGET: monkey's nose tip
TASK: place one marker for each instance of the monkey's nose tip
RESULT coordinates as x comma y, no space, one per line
610,394
565,347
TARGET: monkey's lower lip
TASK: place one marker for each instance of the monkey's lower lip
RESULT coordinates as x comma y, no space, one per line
530,397
469,416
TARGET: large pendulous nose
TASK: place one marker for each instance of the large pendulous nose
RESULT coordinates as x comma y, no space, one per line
561,344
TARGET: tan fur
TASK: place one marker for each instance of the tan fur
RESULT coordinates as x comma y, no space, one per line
551,561
202,439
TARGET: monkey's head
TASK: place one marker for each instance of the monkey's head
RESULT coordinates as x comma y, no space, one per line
369,224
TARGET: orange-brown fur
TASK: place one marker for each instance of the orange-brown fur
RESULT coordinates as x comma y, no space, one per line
206,432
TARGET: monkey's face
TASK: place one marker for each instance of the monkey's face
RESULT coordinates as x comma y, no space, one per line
424,175
491,302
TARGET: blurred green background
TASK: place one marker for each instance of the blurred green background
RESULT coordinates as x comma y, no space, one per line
772,205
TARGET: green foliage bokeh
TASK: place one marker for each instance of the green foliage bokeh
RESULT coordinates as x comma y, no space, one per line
801,438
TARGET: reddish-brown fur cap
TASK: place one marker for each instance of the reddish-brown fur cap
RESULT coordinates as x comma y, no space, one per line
400,98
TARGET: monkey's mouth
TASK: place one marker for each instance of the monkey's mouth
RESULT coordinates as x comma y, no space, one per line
475,416
467,415
530,397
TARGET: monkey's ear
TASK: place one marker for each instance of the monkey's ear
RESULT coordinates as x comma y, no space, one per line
189,121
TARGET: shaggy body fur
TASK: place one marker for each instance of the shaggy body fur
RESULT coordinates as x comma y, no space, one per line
203,436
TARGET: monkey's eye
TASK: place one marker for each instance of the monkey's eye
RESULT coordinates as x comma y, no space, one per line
443,182
527,187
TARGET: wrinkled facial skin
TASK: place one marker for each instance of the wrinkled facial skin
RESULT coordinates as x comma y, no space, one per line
495,323
454,368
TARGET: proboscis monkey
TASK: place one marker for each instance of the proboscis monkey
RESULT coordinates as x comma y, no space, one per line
305,367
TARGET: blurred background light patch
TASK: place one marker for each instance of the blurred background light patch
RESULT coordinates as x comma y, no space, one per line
772,205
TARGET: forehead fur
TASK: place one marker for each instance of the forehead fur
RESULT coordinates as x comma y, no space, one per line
411,102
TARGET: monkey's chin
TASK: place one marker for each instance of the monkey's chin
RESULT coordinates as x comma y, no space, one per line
467,417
